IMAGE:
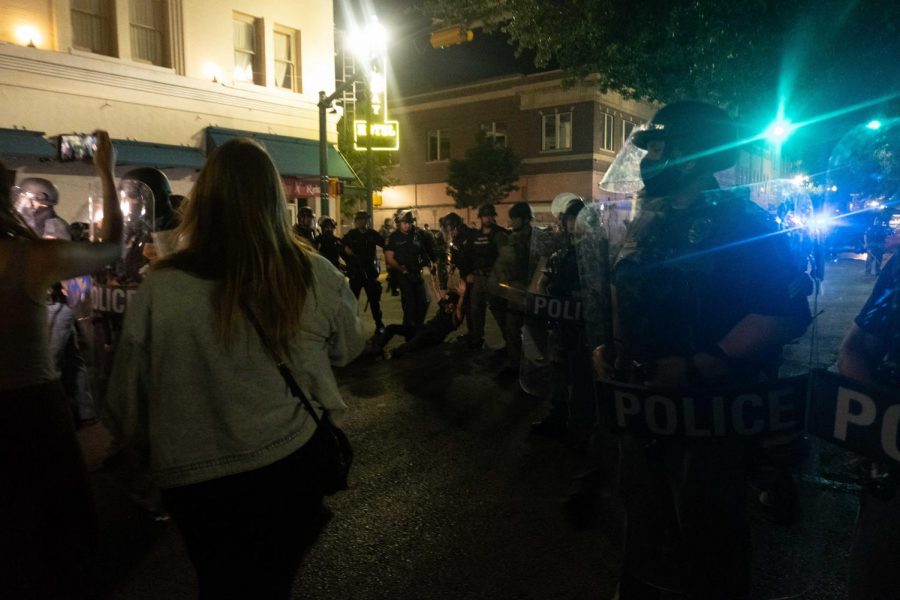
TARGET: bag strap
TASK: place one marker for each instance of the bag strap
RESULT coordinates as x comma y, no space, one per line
285,371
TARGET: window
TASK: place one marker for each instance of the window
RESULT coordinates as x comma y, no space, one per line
287,72
557,131
149,32
607,132
627,128
495,131
247,50
438,145
92,26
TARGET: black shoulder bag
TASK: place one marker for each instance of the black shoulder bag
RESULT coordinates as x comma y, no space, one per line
333,453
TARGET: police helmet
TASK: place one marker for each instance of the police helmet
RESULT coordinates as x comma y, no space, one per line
361,214
487,210
561,202
40,190
406,216
696,129
305,211
158,183
155,179
326,221
521,210
451,221
573,207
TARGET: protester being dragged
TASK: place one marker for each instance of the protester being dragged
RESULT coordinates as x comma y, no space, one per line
46,511
197,388
449,316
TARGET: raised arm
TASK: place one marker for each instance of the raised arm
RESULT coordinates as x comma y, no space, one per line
54,260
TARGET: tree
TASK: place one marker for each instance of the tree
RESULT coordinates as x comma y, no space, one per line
354,196
488,173
747,56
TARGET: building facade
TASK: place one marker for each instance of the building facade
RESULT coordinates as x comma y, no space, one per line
169,79
566,136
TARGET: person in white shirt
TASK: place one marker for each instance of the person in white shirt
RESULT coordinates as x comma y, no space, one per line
195,386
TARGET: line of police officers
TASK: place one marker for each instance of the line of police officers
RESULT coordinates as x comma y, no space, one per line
698,294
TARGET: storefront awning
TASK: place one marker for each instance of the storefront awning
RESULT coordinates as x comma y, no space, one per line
20,142
292,156
160,156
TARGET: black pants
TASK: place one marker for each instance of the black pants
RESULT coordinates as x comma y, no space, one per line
373,295
423,337
686,519
413,300
246,533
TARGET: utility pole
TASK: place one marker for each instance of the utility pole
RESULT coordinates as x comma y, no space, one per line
324,104
370,207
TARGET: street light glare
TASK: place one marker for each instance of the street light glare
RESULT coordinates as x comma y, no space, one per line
779,131
874,124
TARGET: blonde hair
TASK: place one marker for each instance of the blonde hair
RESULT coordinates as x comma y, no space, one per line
234,228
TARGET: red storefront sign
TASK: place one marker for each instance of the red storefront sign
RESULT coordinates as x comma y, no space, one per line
300,187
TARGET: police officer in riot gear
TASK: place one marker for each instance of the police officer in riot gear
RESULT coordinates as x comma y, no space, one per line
408,249
513,270
328,244
360,245
572,400
306,225
871,354
36,202
702,297
481,248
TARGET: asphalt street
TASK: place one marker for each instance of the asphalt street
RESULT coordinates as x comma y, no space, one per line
453,498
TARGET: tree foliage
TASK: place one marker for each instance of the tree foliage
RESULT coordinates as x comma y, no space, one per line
488,173
747,56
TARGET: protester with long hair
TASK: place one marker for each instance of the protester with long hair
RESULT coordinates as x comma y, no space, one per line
46,512
195,385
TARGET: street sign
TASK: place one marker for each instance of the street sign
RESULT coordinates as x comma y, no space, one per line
385,136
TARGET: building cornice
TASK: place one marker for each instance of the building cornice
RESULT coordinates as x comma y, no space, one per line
44,70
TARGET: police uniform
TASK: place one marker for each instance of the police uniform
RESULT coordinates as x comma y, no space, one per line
412,250
307,233
481,249
330,246
684,278
362,267
875,556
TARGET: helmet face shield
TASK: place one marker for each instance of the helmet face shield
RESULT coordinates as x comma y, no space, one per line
624,174
137,203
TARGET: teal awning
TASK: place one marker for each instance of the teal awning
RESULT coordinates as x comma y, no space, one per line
292,156
20,142
160,156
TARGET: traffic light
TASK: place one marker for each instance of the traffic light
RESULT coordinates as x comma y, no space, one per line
450,36
335,187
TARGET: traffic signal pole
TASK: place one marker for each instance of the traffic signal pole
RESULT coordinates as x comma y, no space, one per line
324,104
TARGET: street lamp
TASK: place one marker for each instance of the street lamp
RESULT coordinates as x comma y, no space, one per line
369,46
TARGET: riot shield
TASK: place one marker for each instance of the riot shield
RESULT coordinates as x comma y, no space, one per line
521,287
116,284
742,447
